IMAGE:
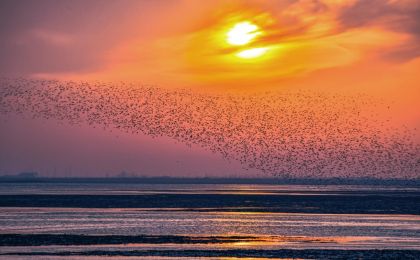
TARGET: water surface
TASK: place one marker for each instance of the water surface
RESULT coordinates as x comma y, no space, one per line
61,221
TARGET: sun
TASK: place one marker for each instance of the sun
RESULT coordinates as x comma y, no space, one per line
243,33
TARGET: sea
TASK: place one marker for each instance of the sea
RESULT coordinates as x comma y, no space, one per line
208,221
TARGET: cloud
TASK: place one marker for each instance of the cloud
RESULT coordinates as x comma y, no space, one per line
149,41
301,37
401,16
51,37
48,36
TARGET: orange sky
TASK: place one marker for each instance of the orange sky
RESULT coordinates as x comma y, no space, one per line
302,38
185,44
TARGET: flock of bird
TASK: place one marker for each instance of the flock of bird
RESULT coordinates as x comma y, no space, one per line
289,134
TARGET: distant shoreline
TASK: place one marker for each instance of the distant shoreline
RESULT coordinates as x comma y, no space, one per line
205,180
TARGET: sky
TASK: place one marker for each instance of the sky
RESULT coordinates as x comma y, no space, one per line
330,46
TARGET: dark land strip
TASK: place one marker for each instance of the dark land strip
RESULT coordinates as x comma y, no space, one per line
67,239
357,203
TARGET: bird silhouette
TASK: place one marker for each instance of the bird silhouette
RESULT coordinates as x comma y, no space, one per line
301,133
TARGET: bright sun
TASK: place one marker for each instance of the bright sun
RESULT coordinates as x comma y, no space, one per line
244,33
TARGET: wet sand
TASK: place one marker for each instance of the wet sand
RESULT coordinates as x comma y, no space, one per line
266,221
345,203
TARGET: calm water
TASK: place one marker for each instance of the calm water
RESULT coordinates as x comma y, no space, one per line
215,221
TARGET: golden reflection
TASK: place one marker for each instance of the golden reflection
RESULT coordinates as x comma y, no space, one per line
252,258
268,241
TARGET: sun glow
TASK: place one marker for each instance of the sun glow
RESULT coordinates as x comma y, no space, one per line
252,53
243,33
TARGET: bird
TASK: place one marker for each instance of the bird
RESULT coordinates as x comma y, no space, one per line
290,133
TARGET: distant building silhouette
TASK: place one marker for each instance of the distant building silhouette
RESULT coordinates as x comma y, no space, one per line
22,175
28,175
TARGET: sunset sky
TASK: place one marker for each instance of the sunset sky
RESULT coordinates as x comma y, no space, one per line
236,47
